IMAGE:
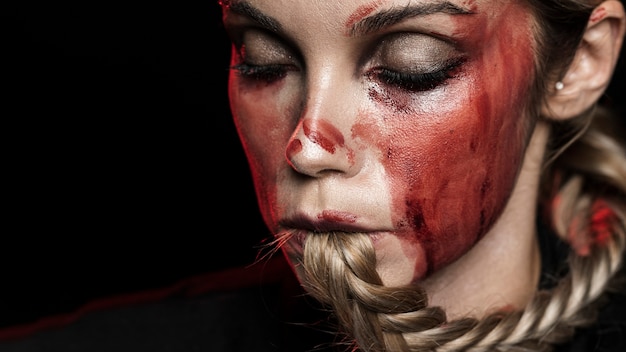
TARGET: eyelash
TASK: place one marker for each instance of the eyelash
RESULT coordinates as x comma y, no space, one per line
417,82
265,73
411,82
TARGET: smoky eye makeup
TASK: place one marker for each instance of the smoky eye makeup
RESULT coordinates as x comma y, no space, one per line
262,56
414,62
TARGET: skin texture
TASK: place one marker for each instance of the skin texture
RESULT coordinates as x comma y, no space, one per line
335,145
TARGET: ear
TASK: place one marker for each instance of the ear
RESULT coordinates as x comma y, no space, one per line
594,63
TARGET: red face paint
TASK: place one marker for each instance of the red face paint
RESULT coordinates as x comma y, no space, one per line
433,168
324,134
294,147
338,216
598,15
453,162
362,11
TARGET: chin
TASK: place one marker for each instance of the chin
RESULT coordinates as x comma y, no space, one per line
396,263
399,264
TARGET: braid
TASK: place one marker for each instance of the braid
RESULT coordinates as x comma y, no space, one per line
587,210
339,271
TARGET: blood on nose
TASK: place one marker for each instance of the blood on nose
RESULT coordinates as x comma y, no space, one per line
319,132
294,147
323,134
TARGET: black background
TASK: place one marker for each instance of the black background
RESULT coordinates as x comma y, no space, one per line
122,166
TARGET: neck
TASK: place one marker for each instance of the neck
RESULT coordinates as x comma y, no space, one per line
502,270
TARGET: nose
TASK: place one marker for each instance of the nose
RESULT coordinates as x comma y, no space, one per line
318,148
321,143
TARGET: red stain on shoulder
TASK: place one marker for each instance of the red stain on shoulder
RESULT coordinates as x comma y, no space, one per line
603,220
599,231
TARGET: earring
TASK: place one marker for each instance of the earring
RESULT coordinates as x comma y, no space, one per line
559,85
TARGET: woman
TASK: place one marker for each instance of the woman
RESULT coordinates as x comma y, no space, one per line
421,163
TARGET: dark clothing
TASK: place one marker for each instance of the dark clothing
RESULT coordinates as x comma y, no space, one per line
259,308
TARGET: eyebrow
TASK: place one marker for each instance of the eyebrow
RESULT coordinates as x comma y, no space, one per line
393,16
245,9
361,27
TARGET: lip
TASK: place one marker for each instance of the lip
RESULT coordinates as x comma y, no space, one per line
295,245
301,225
326,221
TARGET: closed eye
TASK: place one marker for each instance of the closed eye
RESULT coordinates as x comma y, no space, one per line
265,73
417,82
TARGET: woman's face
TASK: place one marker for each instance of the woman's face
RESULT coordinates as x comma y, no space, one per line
402,119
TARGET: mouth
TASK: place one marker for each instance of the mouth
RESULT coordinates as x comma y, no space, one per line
292,241
326,221
294,231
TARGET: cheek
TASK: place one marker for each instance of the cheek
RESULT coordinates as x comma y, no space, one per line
465,178
264,109
452,169
453,156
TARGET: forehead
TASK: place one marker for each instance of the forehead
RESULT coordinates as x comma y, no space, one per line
343,14
322,24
